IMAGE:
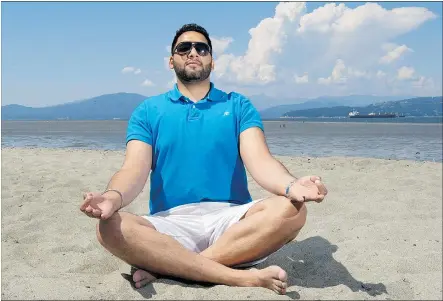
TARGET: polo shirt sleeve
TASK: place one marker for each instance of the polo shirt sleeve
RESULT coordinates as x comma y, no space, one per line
139,127
249,116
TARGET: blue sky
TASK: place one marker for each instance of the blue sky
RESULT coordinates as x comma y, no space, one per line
58,52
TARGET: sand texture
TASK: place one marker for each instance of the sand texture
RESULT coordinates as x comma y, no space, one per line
378,235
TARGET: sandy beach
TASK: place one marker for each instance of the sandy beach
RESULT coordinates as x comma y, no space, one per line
378,235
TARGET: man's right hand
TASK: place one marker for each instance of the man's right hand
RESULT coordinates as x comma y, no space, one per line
99,206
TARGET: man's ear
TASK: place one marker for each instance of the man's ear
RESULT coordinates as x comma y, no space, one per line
212,65
171,63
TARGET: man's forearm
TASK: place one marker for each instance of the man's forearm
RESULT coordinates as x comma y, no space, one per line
129,182
273,176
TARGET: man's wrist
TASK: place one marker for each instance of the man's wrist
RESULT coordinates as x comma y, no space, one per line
289,186
115,196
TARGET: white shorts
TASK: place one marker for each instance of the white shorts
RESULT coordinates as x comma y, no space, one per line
198,226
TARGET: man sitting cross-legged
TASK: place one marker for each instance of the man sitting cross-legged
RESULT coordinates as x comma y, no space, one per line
196,141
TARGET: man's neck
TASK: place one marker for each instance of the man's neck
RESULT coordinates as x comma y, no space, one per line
194,91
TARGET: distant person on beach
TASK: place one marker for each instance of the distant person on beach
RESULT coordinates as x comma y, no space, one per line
203,224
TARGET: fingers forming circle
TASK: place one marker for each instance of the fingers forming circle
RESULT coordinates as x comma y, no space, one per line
96,212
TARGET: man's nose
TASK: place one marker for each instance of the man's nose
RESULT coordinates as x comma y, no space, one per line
193,52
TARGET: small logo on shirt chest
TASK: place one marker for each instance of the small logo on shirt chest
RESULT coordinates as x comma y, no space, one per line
226,113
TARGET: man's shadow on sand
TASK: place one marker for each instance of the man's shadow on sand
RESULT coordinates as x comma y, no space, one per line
309,263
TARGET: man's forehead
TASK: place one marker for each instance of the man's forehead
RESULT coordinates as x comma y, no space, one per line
192,36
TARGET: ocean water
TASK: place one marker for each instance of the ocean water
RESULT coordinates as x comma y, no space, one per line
400,138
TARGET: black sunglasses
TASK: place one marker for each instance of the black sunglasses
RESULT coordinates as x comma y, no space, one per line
184,48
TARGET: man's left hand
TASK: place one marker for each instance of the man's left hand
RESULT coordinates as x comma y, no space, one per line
308,189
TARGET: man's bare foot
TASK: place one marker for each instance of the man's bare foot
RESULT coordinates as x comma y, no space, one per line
273,278
142,277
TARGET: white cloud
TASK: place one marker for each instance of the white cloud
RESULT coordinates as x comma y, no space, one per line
422,82
219,45
166,58
147,83
267,40
338,75
128,70
380,74
171,83
407,78
352,72
301,79
166,62
341,48
370,17
222,65
131,69
394,53
349,34
356,33
405,73
322,19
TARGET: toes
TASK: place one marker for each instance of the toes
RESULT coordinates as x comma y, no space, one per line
141,278
143,282
278,289
280,284
136,277
139,275
283,276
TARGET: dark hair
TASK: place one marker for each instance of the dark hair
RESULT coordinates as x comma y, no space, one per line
190,27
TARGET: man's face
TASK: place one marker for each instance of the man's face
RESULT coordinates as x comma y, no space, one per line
191,67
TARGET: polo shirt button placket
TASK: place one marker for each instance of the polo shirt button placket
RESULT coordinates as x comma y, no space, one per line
194,112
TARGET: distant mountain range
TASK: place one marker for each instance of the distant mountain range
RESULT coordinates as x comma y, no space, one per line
121,105
325,102
419,106
104,107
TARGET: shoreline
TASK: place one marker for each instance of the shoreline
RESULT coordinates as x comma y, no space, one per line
342,120
122,151
353,122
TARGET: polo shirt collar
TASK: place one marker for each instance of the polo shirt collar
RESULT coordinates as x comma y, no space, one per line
214,94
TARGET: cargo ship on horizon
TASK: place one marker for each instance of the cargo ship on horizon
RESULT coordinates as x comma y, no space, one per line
356,114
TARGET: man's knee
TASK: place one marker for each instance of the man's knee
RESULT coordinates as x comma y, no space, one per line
288,213
110,230
113,230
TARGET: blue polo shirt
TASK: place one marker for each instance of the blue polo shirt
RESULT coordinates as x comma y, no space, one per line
195,147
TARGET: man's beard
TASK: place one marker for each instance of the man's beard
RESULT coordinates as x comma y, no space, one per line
192,76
